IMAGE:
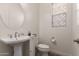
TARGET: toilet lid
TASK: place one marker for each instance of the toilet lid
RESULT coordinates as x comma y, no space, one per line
43,46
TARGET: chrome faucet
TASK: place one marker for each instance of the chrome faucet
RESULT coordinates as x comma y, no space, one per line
16,33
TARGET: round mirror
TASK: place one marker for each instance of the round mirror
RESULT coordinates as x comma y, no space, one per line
12,15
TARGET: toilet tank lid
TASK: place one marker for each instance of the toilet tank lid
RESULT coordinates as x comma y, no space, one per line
43,46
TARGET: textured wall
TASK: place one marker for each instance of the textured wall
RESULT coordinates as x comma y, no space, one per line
63,35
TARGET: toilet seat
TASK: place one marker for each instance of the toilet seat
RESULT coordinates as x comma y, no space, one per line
43,46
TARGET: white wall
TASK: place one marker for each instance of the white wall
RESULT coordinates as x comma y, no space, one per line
30,24
75,28
63,35
31,11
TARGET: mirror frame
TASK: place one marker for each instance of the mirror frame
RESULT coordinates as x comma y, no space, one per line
11,27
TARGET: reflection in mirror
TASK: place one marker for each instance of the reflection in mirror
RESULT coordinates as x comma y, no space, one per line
77,11
12,15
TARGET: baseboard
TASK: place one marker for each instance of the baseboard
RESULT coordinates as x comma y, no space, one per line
4,54
58,53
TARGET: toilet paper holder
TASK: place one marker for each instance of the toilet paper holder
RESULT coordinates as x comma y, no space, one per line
53,40
52,37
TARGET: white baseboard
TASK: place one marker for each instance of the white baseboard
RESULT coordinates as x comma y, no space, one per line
4,54
61,53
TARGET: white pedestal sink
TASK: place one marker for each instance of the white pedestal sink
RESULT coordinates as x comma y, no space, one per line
18,49
16,43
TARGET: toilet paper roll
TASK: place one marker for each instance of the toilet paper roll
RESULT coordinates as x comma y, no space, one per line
53,40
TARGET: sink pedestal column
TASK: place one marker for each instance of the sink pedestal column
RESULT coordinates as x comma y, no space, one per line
18,50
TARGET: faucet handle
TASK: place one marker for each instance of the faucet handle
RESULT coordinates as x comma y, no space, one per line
29,34
10,35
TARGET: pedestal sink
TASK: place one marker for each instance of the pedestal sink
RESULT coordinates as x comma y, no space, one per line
16,43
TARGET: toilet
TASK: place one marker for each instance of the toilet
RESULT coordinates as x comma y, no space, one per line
43,48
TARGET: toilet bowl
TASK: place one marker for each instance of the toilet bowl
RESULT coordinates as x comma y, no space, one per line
44,49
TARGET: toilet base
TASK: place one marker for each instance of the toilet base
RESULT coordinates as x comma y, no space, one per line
43,49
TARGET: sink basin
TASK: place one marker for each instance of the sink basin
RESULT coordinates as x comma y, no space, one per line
16,43
15,40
